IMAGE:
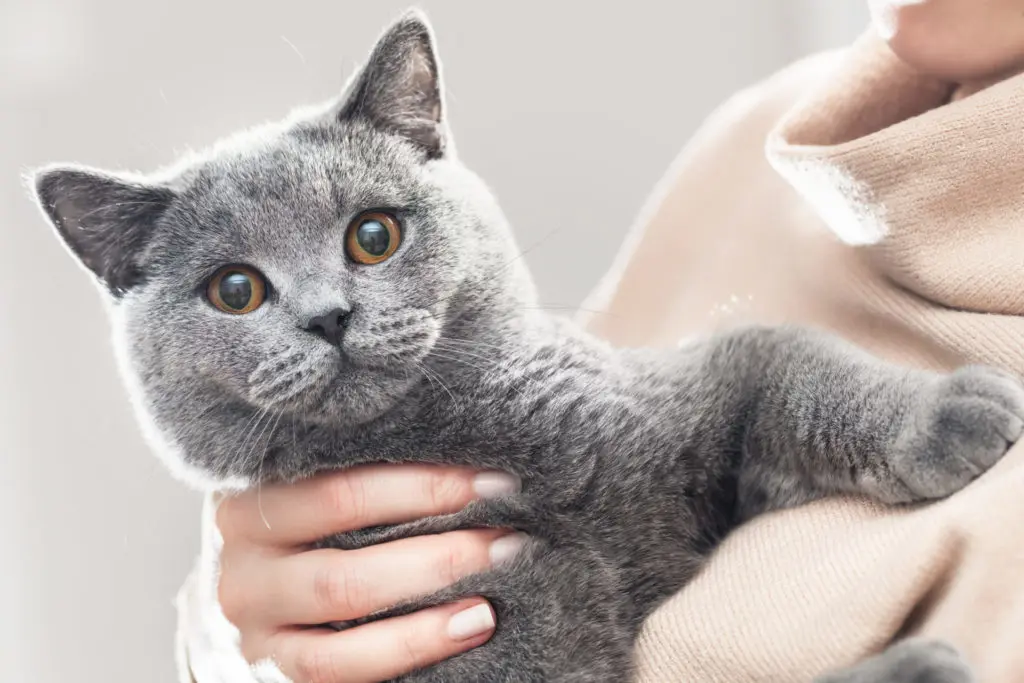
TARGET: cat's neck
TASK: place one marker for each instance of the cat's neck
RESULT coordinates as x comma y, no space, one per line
525,394
474,347
513,393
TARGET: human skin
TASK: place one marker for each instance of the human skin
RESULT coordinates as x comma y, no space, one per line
274,585
964,41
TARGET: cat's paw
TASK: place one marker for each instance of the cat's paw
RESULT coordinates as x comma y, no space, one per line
912,661
964,423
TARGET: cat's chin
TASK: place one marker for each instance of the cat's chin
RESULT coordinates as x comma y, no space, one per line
356,397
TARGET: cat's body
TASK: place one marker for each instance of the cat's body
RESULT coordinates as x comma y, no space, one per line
426,344
634,464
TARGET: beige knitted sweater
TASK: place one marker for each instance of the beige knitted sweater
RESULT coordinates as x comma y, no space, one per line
901,227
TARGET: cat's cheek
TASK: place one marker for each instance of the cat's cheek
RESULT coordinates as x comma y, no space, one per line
168,449
394,340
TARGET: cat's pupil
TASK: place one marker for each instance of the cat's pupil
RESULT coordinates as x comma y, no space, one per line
373,237
236,290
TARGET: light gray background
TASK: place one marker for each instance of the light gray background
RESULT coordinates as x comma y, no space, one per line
570,112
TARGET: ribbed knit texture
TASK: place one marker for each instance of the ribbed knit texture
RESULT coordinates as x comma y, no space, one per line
902,228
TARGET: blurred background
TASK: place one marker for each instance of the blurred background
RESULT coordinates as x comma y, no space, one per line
571,113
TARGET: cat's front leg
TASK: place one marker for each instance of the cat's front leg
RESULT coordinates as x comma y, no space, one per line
823,417
961,425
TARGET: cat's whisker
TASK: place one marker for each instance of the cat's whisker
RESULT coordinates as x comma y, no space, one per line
250,426
464,351
450,354
423,371
471,342
195,421
430,380
536,245
565,307
295,439
427,307
493,372
259,437
504,267
497,369
499,364
250,439
427,373
259,472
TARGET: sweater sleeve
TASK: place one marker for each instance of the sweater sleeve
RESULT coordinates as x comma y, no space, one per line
817,588
207,644
181,645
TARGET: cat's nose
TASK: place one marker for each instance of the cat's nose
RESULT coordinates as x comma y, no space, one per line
331,326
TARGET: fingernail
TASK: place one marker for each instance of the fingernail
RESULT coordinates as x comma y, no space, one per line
471,622
495,484
506,547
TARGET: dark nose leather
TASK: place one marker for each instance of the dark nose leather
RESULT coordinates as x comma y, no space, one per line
331,326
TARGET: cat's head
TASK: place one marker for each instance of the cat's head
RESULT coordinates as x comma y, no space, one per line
305,269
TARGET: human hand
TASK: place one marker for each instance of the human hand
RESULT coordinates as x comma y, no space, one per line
965,41
276,590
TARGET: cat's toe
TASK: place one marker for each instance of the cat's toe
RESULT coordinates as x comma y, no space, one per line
964,424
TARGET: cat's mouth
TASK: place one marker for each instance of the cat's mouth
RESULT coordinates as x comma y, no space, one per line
291,376
376,362
331,384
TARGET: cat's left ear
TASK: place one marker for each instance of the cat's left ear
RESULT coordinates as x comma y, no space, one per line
399,89
105,220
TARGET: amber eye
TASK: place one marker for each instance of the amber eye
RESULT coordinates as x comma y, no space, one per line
237,289
372,237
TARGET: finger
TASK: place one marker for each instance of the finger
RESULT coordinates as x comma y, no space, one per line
322,586
295,514
382,650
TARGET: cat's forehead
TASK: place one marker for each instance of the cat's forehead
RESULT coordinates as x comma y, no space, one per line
308,168
288,191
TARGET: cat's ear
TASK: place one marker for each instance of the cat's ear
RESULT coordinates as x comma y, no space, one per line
399,89
104,219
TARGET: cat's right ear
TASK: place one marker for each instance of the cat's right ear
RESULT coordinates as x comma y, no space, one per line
104,219
399,89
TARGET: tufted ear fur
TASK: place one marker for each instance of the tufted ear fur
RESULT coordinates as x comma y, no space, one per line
399,89
104,219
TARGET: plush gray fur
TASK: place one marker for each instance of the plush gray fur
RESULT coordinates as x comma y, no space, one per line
634,463
916,660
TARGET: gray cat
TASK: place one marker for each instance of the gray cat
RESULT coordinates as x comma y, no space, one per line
339,289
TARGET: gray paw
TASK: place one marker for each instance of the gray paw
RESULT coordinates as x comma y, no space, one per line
963,425
911,661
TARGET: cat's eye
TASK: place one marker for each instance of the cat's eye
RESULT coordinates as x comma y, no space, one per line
237,289
372,237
